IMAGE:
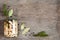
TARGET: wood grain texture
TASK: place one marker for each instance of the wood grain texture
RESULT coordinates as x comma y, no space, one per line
39,15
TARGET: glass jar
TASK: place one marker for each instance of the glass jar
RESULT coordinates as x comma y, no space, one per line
10,27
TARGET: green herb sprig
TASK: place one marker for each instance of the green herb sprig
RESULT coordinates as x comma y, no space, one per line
7,12
41,34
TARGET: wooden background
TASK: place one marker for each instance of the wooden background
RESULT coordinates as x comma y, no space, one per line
39,15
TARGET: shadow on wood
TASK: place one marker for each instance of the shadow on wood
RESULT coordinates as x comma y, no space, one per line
58,19
1,28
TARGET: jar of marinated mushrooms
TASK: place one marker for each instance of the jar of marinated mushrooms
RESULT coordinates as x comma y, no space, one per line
10,27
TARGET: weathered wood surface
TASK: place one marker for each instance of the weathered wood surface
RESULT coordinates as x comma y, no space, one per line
39,15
